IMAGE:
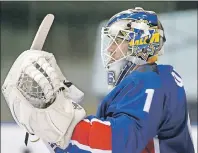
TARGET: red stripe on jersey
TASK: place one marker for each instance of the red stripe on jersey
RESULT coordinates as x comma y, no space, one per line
150,147
96,135
100,136
81,132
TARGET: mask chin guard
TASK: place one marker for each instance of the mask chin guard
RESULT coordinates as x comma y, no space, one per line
112,81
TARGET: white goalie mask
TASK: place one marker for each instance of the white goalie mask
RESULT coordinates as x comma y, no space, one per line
132,37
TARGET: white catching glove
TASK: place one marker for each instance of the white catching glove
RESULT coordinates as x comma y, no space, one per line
39,100
72,91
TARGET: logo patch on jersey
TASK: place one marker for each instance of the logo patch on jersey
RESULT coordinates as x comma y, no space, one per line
111,78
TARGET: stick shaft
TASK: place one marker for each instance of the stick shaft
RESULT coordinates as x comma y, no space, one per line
42,32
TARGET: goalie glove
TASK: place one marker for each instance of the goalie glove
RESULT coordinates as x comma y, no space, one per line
72,91
40,99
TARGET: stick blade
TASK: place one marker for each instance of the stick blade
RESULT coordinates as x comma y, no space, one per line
42,32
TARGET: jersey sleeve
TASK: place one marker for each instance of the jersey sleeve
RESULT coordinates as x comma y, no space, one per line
132,121
90,135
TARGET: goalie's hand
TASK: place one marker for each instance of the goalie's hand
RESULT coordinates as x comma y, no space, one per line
39,100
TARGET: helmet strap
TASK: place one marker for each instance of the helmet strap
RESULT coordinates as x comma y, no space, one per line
125,70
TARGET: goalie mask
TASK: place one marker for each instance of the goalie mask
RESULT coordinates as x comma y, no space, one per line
132,37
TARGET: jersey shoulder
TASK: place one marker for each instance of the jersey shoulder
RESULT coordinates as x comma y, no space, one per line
161,74
146,79
170,76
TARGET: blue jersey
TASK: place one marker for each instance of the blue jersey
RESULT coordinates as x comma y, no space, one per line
145,113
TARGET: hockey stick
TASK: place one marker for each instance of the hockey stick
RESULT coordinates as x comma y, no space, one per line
38,43
42,32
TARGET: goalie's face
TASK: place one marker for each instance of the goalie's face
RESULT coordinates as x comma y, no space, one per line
114,46
117,49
